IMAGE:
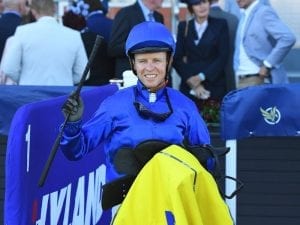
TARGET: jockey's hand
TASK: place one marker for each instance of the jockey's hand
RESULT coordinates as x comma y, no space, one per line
73,108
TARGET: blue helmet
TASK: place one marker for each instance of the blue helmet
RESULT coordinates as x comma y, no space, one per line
149,37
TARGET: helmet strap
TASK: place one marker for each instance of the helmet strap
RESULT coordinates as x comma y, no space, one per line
131,61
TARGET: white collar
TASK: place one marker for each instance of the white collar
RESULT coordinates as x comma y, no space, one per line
201,27
46,19
250,8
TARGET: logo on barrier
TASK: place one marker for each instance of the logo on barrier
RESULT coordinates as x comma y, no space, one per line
271,115
78,202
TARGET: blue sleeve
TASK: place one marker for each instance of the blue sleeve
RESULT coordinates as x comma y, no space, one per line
197,132
77,140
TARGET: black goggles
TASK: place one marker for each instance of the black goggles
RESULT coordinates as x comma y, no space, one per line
147,113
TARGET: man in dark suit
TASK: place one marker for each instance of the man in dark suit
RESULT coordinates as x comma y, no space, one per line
232,22
124,20
97,23
10,19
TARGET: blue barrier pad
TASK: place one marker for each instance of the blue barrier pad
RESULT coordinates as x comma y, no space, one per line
265,110
71,193
14,96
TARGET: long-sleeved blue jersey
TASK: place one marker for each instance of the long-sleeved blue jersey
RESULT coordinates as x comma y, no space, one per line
117,124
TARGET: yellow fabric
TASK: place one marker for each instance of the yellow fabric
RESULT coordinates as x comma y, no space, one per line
173,180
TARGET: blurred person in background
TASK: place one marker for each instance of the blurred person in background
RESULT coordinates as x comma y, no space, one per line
41,53
125,19
231,6
261,44
97,23
202,51
232,22
1,7
74,16
89,17
96,20
13,11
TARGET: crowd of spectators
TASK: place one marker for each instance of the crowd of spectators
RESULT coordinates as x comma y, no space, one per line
41,53
206,44
90,18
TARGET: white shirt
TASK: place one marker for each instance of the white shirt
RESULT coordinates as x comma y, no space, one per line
246,66
45,53
146,11
200,28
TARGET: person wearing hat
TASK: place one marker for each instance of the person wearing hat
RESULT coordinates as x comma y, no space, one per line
202,50
148,110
